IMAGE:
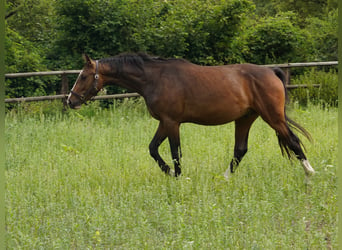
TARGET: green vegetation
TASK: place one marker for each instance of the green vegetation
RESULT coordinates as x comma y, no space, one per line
52,35
84,179
326,94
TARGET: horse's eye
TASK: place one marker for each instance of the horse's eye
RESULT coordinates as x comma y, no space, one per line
83,77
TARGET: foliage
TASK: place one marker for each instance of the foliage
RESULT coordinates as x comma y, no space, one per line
84,180
201,32
32,19
276,40
326,94
28,35
324,36
23,56
305,8
44,34
196,30
82,26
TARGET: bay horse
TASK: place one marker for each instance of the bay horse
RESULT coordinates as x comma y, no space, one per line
177,91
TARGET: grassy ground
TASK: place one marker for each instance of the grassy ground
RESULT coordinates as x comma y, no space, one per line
85,179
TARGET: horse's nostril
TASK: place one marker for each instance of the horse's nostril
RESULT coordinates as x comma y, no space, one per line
70,104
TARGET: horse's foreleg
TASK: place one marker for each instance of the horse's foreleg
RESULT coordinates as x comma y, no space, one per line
176,153
158,138
242,127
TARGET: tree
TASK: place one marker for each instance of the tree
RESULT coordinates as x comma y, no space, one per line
45,34
32,19
28,34
324,36
22,56
276,40
303,8
201,31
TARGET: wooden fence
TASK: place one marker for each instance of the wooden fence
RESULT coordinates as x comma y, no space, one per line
65,84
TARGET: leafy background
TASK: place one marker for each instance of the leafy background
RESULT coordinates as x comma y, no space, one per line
52,35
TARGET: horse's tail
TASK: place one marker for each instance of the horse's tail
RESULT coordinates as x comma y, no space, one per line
281,75
290,123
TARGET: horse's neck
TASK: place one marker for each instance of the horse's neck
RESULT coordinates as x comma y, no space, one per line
128,79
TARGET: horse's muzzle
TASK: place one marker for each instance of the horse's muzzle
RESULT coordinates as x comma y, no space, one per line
73,105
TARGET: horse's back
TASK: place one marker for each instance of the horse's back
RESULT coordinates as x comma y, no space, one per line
212,95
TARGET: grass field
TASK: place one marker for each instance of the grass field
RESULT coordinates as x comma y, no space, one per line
85,180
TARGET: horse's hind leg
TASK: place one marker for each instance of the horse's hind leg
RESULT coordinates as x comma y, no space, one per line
288,141
242,127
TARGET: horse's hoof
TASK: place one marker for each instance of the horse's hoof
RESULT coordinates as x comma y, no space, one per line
309,171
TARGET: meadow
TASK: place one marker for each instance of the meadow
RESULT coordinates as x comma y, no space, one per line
85,180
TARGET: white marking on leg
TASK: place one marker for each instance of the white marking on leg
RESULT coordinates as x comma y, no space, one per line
172,173
176,161
307,168
227,174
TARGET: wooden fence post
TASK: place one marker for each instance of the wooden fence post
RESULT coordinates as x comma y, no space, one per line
287,76
65,90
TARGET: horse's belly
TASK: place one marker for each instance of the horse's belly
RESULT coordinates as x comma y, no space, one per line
215,115
213,106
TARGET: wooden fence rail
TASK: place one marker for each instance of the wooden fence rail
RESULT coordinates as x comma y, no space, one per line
65,84
64,96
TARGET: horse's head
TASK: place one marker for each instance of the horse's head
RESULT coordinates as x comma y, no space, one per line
87,85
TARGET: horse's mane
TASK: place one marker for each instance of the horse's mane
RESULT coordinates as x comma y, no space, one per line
134,59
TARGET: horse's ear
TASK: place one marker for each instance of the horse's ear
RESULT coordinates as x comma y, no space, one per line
87,59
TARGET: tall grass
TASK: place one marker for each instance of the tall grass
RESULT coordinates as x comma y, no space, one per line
84,179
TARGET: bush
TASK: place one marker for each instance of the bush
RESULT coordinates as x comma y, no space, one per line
206,32
200,31
23,56
324,36
326,94
276,40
